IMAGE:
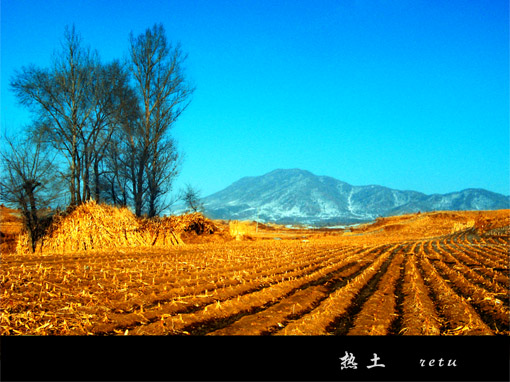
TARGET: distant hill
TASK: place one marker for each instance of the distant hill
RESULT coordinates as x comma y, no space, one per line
298,196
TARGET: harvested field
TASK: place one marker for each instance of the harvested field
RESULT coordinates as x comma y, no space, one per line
428,274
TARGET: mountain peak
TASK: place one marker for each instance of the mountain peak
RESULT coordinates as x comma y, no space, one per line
299,196
289,172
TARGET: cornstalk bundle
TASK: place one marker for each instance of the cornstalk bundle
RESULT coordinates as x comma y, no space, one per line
190,228
195,222
240,229
100,226
157,232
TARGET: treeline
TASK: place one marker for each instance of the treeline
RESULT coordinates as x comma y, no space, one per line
99,130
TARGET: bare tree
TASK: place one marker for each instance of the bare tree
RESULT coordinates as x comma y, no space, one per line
28,182
157,69
191,198
78,104
59,97
111,125
121,154
115,106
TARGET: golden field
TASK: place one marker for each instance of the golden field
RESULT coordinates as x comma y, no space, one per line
102,272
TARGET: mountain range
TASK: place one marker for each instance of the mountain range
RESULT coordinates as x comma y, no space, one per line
298,196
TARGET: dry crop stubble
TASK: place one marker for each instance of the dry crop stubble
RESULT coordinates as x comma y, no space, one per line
418,281
420,315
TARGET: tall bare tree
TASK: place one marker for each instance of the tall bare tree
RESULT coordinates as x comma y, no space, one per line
78,104
115,105
158,72
111,125
120,155
59,97
28,182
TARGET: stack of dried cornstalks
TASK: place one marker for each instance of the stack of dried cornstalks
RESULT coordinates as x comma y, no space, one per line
159,232
100,226
195,222
241,229
185,228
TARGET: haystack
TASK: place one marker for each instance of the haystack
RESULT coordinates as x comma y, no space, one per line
241,229
194,228
194,222
100,226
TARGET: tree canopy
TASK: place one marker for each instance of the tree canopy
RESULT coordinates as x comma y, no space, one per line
109,124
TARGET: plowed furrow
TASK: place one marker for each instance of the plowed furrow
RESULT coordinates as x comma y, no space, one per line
324,318
181,303
299,303
419,314
460,315
490,308
488,285
379,311
235,307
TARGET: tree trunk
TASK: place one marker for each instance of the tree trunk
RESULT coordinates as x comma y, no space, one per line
30,213
86,178
77,173
139,191
72,183
96,181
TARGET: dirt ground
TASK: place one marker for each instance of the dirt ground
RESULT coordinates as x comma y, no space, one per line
439,273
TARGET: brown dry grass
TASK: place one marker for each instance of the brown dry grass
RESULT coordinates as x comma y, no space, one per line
383,230
431,224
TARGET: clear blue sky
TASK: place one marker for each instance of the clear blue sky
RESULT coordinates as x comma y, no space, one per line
408,94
